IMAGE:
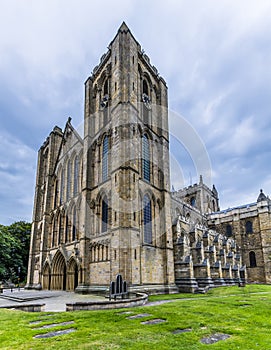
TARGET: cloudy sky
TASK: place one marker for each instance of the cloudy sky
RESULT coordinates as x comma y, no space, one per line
214,55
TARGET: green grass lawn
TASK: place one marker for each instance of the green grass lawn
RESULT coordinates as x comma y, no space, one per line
242,313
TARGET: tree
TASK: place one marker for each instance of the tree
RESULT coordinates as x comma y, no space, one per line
14,250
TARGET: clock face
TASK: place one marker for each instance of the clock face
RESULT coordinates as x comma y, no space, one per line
146,100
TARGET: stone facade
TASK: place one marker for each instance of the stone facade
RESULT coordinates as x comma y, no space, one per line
103,204
250,226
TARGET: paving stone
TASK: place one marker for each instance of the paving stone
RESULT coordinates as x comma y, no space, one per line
184,330
55,334
138,316
125,313
214,338
154,321
56,325
35,322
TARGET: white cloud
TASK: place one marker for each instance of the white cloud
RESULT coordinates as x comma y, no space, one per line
214,55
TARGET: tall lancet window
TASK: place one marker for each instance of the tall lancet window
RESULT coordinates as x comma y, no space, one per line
147,219
75,175
105,102
146,158
105,159
252,259
146,102
104,214
68,188
74,224
62,185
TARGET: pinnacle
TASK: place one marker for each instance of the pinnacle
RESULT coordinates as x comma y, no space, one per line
123,27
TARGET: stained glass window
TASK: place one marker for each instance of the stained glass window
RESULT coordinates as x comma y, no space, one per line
147,214
104,214
75,175
105,159
146,158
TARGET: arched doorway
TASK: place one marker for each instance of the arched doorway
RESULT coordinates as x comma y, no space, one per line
58,275
72,276
46,277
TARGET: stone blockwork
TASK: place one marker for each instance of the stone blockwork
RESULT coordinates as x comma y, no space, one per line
250,226
103,205
204,258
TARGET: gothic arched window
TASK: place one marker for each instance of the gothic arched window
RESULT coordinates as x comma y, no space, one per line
60,228
74,224
145,88
104,214
62,187
66,229
146,173
68,189
249,227
105,159
193,201
75,175
106,87
252,259
105,101
53,233
56,194
147,219
228,230
146,102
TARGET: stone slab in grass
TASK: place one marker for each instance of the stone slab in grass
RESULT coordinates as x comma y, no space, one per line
214,338
125,313
182,330
52,325
55,334
35,322
138,316
154,321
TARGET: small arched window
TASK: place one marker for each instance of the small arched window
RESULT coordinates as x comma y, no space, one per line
105,159
105,102
213,205
106,87
146,102
75,175
104,214
74,224
193,201
145,88
147,219
228,231
252,259
249,227
146,173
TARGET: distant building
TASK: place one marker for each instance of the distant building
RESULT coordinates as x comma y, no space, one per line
103,204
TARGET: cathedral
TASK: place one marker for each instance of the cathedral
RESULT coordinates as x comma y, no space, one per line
103,204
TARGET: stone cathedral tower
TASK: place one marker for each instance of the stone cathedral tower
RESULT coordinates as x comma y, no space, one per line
102,203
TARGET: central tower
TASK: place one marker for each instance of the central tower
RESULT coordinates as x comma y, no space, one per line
125,182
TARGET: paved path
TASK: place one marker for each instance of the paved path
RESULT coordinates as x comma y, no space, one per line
54,300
